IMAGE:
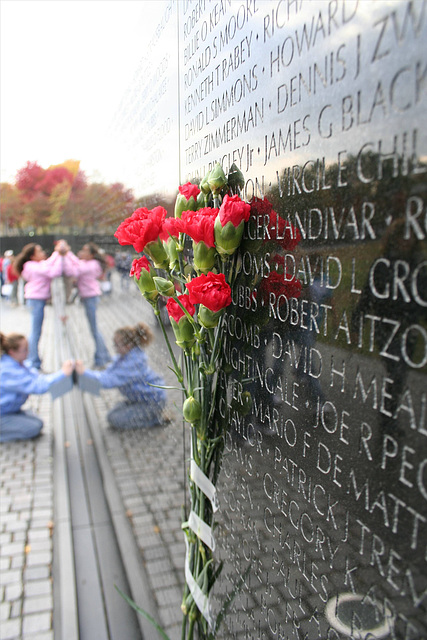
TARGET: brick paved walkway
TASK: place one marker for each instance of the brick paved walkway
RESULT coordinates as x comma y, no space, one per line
143,473
26,520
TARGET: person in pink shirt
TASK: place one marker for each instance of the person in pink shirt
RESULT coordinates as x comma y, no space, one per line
90,267
37,272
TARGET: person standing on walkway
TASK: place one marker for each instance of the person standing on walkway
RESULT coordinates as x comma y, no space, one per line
17,382
12,278
89,266
134,378
37,271
6,261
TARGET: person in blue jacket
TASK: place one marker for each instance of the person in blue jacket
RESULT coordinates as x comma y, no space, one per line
17,382
131,374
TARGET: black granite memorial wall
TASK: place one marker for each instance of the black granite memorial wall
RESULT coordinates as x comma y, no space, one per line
322,105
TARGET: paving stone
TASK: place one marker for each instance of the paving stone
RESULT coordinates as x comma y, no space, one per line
36,573
45,502
168,596
154,553
5,503
38,558
37,604
174,632
39,534
48,635
13,591
42,514
13,549
24,515
144,521
11,629
34,623
172,615
16,525
38,588
21,505
157,567
4,612
10,577
41,545
5,538
16,609
17,562
8,517
20,536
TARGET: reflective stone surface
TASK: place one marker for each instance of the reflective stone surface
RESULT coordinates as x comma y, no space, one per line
146,125
322,105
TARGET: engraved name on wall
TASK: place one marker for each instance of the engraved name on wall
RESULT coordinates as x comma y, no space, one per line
322,105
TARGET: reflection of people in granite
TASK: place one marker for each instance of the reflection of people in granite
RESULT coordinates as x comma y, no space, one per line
389,297
306,339
297,340
132,375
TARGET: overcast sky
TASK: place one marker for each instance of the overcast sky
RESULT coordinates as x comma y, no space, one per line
65,65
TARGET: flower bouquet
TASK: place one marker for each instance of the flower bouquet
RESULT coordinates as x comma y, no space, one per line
192,260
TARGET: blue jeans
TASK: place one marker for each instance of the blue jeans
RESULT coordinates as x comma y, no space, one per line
137,415
37,315
102,355
22,425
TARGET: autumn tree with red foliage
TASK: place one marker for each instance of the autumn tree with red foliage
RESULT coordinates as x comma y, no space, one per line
28,179
11,209
60,197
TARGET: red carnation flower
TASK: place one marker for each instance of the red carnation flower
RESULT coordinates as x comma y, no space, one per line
277,229
175,311
199,225
142,227
286,234
275,283
234,210
137,265
261,207
187,190
171,227
211,290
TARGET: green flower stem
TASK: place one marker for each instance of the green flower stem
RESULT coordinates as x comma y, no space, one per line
177,368
184,626
191,627
195,448
180,253
215,347
212,338
190,318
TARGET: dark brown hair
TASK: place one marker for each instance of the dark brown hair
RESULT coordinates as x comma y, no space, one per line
10,342
138,336
23,257
97,255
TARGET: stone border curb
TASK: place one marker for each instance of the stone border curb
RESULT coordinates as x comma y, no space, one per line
131,555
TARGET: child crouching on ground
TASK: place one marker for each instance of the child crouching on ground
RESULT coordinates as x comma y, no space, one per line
131,374
17,382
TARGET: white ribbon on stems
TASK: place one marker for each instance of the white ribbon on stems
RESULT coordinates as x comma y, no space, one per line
204,532
201,599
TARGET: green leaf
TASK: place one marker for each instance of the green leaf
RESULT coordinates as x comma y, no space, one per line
143,613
